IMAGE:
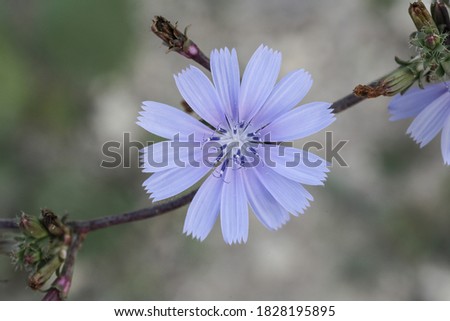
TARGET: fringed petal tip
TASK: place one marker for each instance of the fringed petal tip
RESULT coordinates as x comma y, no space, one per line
202,237
191,234
235,241
223,53
280,224
265,48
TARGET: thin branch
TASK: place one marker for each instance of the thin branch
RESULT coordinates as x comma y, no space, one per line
8,223
142,214
349,100
82,227
75,245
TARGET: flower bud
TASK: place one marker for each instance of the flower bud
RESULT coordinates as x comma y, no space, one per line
31,256
38,279
31,226
178,41
398,81
440,16
432,41
53,224
421,16
169,34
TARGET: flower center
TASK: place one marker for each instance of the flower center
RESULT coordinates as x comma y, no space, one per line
236,145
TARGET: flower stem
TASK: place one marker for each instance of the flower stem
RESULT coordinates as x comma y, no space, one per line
107,221
142,214
9,223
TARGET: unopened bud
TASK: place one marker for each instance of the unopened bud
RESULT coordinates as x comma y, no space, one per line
398,81
38,279
169,34
31,256
31,226
432,41
440,16
178,41
421,16
53,223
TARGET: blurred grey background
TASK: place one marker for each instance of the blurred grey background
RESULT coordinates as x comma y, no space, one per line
72,77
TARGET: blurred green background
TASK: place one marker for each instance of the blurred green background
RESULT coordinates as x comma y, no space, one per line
72,77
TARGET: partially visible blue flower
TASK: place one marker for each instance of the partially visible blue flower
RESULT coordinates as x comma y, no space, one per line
431,108
244,120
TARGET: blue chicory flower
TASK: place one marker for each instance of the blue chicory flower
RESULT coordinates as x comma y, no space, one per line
431,108
243,124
